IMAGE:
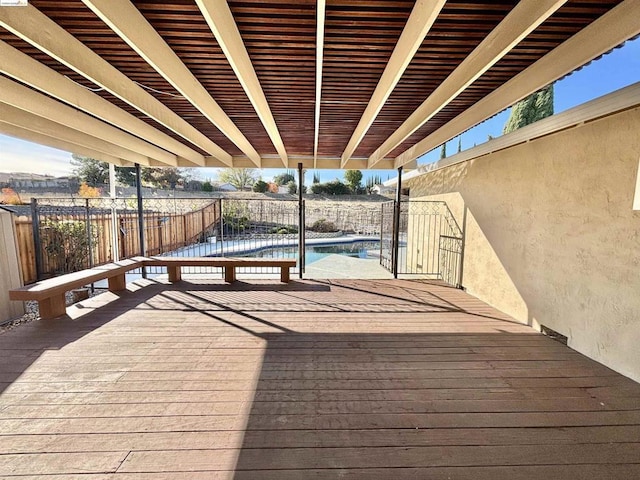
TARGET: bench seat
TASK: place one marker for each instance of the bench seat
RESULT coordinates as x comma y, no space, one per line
51,293
229,264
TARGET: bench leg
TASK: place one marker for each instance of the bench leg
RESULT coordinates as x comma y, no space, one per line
175,273
52,307
229,274
284,274
117,283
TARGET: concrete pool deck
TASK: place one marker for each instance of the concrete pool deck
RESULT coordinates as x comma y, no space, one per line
342,266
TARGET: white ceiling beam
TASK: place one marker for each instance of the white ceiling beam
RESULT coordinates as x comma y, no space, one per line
607,32
321,7
420,21
35,28
21,67
24,98
130,25
522,20
310,162
221,22
21,118
53,142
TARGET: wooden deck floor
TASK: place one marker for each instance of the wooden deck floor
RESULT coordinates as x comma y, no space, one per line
309,380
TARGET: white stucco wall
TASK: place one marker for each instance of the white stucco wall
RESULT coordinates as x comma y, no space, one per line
552,237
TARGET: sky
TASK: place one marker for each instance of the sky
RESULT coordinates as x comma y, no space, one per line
618,69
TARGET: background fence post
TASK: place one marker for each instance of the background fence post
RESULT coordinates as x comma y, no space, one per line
140,216
37,242
396,226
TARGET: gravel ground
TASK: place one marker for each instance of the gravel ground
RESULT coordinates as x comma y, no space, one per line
32,314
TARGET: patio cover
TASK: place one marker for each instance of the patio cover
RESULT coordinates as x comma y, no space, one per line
270,84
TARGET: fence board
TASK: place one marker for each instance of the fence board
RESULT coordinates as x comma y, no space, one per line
9,261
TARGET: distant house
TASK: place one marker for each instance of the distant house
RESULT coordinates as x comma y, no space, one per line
383,189
225,187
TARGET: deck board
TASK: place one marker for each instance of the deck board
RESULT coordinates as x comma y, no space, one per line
312,379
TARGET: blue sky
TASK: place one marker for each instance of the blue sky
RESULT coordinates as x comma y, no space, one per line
618,69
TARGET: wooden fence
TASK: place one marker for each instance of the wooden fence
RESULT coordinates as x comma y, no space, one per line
164,232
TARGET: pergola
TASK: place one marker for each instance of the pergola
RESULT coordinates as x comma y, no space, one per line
272,84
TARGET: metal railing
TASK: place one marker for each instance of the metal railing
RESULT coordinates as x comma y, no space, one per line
429,241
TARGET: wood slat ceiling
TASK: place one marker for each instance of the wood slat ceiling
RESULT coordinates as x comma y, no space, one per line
567,21
280,39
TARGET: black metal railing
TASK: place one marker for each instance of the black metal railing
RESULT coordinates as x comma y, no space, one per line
429,241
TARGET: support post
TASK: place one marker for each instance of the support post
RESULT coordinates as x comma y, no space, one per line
87,219
143,251
396,225
37,243
301,246
115,250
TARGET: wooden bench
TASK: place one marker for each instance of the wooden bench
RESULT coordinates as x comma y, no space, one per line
51,293
229,265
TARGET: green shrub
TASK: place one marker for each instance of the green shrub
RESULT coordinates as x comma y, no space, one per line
66,244
283,230
260,186
322,226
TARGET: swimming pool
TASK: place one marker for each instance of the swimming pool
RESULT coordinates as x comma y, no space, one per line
313,253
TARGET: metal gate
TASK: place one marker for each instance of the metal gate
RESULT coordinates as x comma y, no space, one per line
429,241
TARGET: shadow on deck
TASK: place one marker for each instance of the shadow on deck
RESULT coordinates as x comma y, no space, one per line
314,379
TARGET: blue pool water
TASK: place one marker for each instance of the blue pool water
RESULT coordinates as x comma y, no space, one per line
313,253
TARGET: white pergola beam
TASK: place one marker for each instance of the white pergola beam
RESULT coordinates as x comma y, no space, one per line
21,67
53,142
525,17
607,32
32,26
310,162
24,98
21,118
420,21
221,22
130,25
321,7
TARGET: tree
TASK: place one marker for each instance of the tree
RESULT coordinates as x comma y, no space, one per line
241,178
535,107
89,170
168,177
459,143
85,191
443,151
148,175
353,179
126,175
372,182
316,177
335,187
10,197
207,187
260,186
284,178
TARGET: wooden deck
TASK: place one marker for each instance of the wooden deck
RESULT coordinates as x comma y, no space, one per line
307,380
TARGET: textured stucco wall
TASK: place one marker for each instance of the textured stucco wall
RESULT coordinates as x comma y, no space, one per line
551,234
